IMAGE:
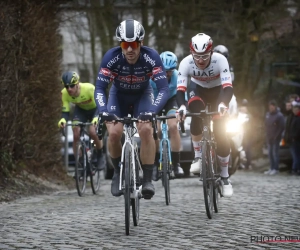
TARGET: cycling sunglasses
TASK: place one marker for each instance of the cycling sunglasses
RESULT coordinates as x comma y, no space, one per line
70,86
204,57
126,45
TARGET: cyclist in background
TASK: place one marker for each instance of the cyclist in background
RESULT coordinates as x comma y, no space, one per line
82,95
169,60
210,72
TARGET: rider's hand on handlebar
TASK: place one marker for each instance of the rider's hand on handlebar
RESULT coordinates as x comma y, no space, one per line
62,123
108,117
222,109
95,121
181,112
146,117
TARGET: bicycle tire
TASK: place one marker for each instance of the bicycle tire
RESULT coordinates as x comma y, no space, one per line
216,183
166,168
135,202
95,175
127,180
208,180
81,169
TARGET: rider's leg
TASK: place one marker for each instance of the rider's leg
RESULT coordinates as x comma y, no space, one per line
223,151
196,104
147,153
175,146
99,146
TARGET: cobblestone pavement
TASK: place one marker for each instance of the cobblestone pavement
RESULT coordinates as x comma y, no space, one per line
261,206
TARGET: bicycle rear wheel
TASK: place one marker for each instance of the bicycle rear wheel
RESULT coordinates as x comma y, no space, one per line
208,179
135,202
95,176
127,179
166,168
81,168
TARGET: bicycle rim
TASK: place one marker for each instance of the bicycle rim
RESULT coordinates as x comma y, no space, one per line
135,203
80,169
127,178
208,183
166,167
216,183
95,176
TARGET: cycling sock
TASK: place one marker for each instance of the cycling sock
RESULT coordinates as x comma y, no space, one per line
116,162
224,165
175,158
197,149
157,155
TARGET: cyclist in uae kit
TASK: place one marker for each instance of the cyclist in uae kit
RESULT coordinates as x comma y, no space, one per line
82,95
169,60
130,67
210,72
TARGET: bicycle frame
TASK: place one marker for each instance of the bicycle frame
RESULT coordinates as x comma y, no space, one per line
129,129
164,131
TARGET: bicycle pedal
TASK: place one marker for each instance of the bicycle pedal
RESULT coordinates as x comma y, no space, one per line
147,196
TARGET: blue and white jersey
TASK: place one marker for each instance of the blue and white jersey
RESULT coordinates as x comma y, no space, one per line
131,78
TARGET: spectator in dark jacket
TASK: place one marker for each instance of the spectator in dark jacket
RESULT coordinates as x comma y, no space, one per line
274,125
294,133
289,116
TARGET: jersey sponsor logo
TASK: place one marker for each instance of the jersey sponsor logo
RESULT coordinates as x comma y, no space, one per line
159,77
180,81
156,70
113,61
100,100
225,78
214,61
210,73
158,99
131,79
113,75
149,59
130,86
225,70
105,72
102,79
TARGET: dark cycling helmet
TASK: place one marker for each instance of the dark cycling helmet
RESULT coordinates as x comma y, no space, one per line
169,60
129,31
222,50
69,78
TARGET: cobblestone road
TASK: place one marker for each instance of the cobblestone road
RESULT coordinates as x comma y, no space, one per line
261,205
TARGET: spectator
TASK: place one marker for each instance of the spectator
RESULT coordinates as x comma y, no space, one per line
294,135
274,125
248,136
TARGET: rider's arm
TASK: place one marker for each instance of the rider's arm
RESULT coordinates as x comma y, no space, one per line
65,105
226,81
102,81
182,79
160,78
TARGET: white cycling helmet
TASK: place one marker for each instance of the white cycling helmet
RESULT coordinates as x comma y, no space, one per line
129,31
222,50
201,43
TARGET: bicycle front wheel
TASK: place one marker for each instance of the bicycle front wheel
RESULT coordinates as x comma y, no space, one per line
208,179
95,174
81,168
166,168
127,180
135,202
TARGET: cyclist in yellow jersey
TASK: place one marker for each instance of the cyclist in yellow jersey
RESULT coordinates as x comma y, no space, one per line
82,95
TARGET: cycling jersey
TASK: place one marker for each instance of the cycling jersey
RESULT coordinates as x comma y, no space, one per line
84,101
217,73
131,78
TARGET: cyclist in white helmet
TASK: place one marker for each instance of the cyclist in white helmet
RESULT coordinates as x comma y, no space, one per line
210,72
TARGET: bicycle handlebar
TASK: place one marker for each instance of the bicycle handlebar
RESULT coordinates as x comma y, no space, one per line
79,124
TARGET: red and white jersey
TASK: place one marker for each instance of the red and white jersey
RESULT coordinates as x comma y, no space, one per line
215,74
